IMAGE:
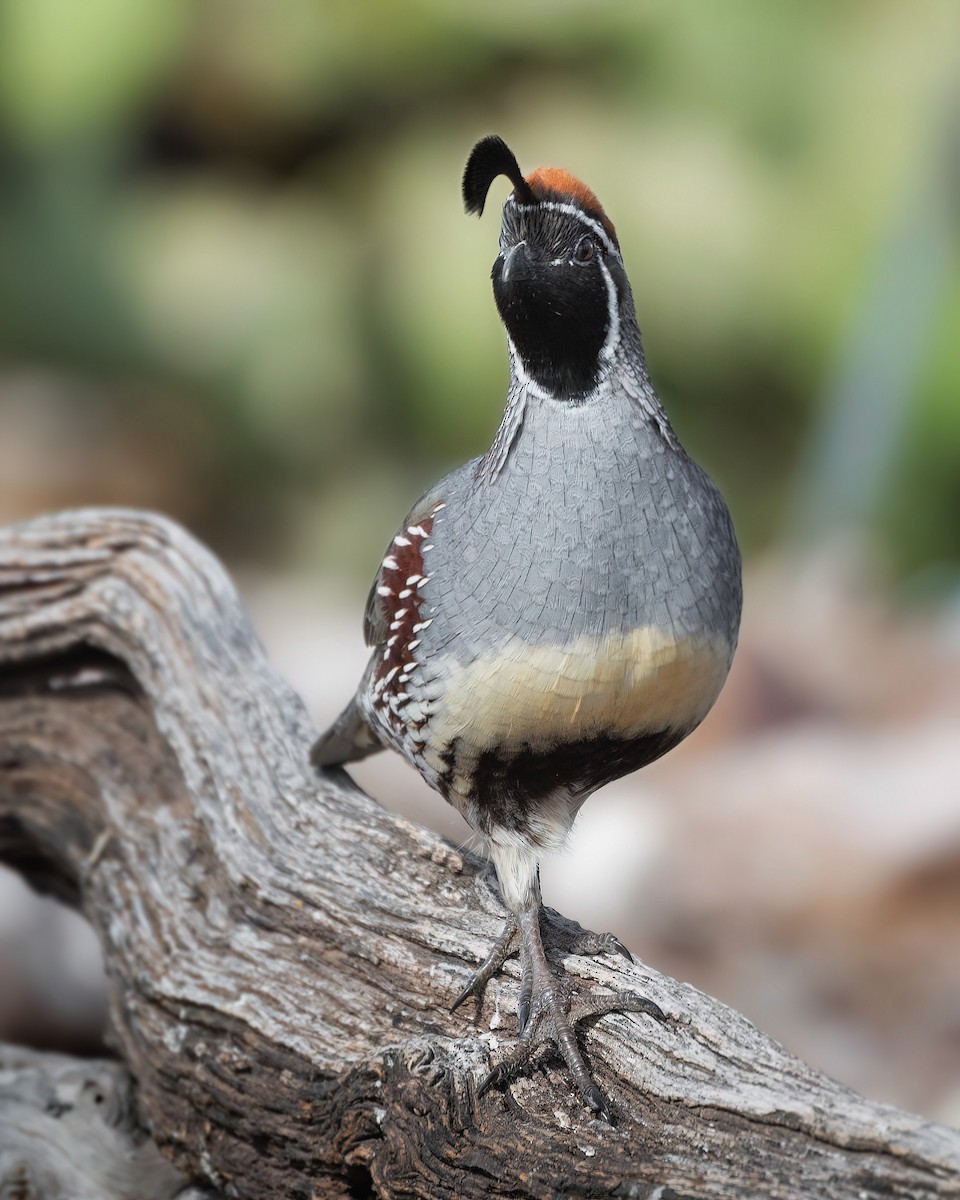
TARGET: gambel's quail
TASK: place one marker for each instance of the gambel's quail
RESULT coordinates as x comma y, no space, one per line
561,610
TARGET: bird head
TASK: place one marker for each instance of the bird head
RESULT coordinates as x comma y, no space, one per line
558,280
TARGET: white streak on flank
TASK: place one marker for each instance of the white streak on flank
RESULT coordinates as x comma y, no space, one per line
391,641
404,594
442,504
412,580
400,540
389,675
422,625
428,546
424,579
395,624
384,591
414,644
401,612
403,696
390,563
417,530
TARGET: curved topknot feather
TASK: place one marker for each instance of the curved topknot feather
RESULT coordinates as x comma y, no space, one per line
490,157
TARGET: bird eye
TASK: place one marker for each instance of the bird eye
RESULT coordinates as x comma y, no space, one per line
586,248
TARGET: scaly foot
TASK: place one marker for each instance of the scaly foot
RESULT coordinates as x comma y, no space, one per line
571,938
549,1008
499,953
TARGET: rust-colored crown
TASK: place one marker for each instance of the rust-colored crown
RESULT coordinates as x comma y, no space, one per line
556,183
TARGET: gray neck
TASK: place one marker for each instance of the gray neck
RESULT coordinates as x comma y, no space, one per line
625,376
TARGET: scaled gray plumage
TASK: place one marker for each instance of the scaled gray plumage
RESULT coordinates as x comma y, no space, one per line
565,608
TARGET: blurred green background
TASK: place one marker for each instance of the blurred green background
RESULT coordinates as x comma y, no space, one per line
237,284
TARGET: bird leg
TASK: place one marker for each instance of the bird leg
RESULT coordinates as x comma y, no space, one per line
549,1007
584,942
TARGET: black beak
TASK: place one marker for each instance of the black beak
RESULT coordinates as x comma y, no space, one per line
517,264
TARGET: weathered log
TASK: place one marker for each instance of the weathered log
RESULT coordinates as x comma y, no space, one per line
281,952
68,1129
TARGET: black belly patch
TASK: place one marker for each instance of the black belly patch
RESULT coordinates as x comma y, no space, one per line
505,786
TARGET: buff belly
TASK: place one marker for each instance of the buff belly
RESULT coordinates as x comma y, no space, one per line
529,727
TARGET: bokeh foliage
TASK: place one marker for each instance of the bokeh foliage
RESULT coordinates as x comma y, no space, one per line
236,280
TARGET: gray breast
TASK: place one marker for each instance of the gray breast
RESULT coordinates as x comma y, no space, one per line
595,526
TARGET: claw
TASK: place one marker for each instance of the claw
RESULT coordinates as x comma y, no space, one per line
634,1002
588,944
548,1009
490,1081
507,1067
499,953
523,1013
599,1103
607,943
619,948
523,1001
467,991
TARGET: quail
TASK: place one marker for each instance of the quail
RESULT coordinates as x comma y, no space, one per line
561,610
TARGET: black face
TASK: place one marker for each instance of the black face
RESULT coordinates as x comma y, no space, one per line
553,298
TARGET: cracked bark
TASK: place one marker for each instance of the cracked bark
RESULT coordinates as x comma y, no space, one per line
281,952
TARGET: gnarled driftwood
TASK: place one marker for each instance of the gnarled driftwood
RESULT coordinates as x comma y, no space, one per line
281,951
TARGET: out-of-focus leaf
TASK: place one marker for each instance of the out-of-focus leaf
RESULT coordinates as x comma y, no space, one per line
70,65
252,291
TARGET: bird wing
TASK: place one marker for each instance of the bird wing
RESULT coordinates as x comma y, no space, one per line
376,616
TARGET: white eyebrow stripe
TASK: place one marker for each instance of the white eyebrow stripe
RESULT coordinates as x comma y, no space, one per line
571,210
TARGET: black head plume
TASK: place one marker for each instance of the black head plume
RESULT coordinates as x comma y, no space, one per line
490,157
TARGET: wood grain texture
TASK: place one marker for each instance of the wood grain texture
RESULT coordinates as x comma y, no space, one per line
282,952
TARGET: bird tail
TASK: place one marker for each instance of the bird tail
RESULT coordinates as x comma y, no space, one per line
348,739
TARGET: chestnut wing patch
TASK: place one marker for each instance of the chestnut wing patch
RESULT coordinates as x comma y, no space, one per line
397,601
378,614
